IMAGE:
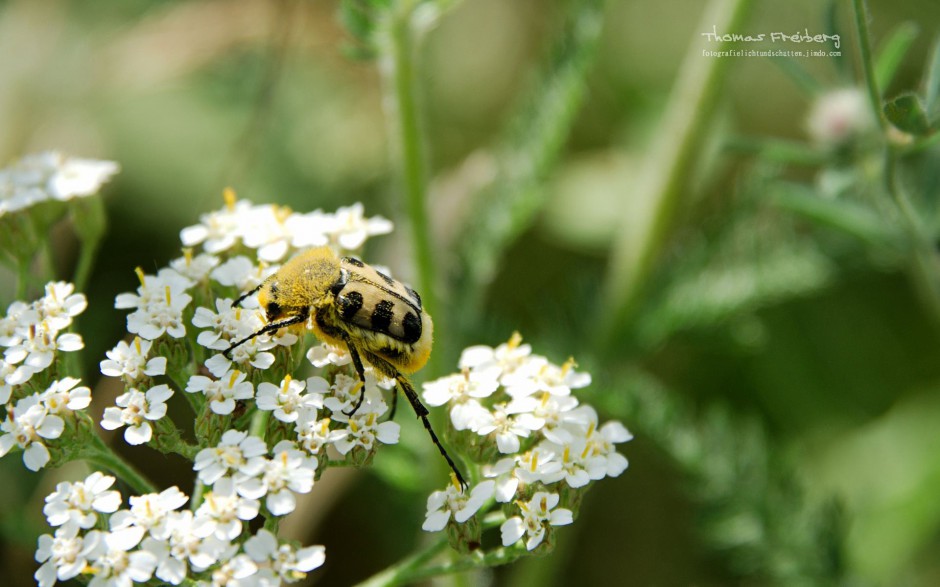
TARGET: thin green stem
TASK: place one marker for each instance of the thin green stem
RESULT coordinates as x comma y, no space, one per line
99,453
868,62
925,268
403,572
86,263
22,277
666,182
397,66
400,80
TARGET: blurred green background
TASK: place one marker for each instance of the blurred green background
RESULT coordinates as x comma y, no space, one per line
772,370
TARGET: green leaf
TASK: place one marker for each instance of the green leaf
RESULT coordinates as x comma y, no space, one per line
932,89
531,147
831,18
799,74
893,52
907,113
845,216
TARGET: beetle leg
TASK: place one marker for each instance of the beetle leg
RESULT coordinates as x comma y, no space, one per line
360,370
385,367
301,317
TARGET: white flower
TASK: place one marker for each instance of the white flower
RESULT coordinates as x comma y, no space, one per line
219,231
309,230
62,396
242,273
288,564
540,464
507,357
453,501
120,564
149,511
463,391
181,547
223,511
39,347
51,175
76,503
159,302
10,376
505,428
63,556
840,115
60,305
267,231
136,410
323,354
130,361
222,393
314,434
236,571
195,268
578,465
350,228
159,318
345,396
600,445
25,426
236,454
538,375
289,471
364,430
289,398
537,514
555,414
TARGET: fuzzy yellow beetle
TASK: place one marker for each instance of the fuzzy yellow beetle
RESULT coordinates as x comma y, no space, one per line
351,304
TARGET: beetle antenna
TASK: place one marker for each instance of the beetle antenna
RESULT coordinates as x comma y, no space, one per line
248,293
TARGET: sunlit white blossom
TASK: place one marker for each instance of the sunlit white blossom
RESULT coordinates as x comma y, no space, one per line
195,268
224,392
287,399
453,501
505,428
51,176
80,502
287,563
62,396
224,510
136,409
64,555
363,430
130,362
237,453
537,514
463,391
26,426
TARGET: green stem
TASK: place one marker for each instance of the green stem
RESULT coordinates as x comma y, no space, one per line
399,83
868,62
102,455
22,277
86,263
924,264
666,183
404,571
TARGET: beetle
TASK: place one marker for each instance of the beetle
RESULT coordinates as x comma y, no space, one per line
377,319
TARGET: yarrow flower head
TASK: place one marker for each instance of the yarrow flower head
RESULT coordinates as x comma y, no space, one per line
516,412
136,410
51,176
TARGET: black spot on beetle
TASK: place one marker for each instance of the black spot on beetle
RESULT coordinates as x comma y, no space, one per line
273,310
340,283
382,316
354,261
387,279
411,325
414,296
349,304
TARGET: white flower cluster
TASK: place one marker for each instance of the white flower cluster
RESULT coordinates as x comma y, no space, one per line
34,335
272,231
50,176
155,539
509,401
